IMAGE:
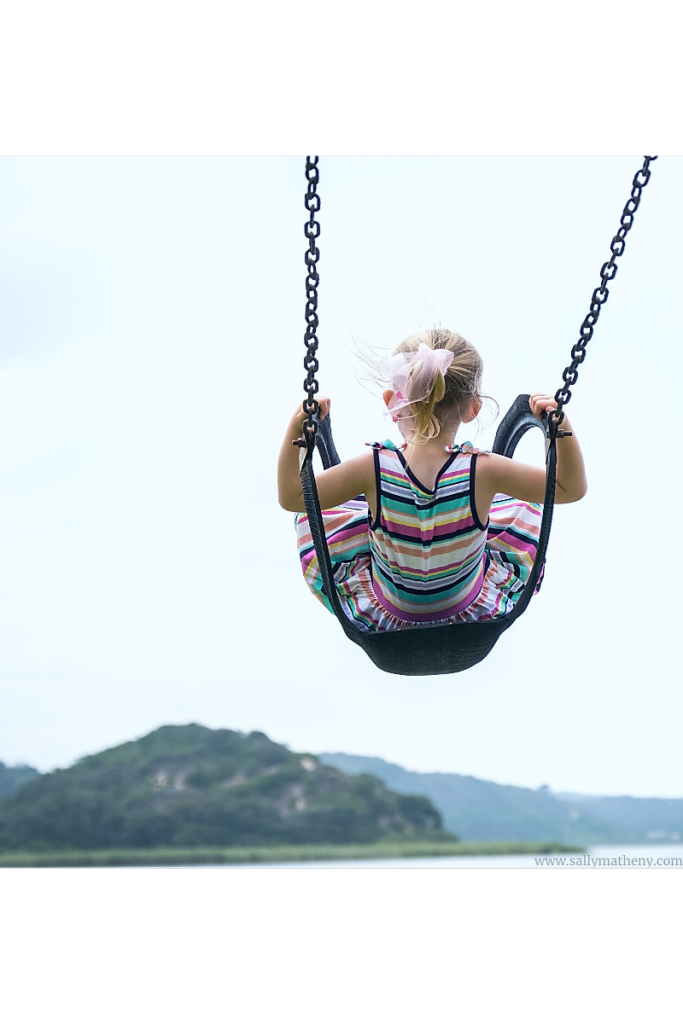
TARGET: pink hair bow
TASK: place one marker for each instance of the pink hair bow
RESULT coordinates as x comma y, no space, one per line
413,375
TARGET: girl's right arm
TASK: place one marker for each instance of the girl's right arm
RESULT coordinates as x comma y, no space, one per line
335,485
496,474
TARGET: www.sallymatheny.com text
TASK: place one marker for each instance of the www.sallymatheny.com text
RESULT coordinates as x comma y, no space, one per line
622,861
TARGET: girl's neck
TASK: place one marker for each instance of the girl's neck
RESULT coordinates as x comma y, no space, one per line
435,446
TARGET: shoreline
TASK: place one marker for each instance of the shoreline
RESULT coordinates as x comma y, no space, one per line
168,856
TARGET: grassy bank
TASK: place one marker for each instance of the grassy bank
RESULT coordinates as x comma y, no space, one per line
269,854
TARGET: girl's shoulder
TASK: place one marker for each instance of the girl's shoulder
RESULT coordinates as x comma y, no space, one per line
467,448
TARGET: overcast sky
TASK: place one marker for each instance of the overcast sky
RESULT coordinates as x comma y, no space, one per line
152,325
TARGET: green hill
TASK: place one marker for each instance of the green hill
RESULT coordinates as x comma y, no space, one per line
486,811
189,786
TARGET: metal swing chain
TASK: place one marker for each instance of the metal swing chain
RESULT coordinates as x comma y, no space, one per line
311,365
607,273
578,353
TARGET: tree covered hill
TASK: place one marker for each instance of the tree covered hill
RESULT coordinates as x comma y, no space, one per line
193,786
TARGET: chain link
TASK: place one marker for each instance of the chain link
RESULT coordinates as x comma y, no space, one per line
311,231
607,273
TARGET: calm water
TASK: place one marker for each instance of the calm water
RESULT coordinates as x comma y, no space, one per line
651,857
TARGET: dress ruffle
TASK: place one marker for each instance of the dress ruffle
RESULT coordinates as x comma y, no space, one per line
511,545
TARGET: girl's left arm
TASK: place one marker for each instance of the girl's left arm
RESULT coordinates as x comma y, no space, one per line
335,485
527,483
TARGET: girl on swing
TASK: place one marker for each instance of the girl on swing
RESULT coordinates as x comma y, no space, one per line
446,533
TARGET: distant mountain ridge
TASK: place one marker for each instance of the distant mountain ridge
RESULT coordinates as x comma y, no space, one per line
474,809
12,778
481,810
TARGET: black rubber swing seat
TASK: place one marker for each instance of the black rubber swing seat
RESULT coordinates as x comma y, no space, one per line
431,650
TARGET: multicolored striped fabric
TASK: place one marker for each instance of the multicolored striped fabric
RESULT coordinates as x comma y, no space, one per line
426,559
427,544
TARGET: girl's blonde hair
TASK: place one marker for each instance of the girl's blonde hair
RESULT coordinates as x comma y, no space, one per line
453,392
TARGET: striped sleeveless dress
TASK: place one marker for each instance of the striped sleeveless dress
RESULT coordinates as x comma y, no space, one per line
426,559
